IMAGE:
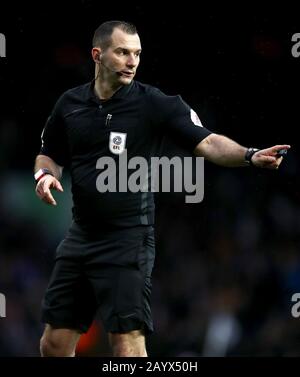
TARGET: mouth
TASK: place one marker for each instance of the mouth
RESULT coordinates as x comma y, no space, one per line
127,73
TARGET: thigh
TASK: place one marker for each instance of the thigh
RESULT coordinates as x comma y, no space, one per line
121,276
69,300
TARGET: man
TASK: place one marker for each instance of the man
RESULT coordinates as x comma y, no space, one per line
105,261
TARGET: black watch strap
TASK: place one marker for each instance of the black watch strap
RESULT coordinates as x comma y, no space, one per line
248,156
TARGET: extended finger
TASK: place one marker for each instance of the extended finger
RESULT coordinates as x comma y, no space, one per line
48,198
277,148
57,185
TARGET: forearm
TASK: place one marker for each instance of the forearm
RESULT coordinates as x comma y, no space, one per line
222,151
46,162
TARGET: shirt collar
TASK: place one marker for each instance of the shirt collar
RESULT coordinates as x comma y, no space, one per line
119,94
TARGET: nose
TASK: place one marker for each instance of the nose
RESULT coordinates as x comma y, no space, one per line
132,61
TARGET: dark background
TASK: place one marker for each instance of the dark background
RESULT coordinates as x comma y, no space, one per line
227,267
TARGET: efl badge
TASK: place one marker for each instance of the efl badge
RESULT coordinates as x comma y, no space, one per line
117,142
195,118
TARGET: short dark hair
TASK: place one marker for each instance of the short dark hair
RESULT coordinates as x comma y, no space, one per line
102,35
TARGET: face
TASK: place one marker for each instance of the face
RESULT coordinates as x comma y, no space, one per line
123,56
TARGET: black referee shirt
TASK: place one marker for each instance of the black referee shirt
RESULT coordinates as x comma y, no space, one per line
81,129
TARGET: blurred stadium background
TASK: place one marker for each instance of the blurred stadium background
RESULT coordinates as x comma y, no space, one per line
226,268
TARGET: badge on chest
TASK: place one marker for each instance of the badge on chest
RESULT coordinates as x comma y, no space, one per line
117,142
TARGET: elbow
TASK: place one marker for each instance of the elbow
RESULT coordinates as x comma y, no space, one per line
204,147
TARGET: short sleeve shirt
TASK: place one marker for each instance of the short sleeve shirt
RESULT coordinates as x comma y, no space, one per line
90,136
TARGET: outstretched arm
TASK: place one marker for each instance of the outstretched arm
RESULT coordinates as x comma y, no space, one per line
223,151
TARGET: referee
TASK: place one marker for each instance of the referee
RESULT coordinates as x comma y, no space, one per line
106,259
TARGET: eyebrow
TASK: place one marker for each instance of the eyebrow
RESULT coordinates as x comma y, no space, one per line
127,49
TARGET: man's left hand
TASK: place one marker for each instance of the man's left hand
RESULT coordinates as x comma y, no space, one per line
268,158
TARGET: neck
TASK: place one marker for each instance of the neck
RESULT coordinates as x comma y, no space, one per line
103,89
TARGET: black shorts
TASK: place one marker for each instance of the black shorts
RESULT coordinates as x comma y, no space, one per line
109,271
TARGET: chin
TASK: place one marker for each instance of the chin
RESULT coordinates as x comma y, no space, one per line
126,80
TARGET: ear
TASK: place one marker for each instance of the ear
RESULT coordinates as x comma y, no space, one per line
96,54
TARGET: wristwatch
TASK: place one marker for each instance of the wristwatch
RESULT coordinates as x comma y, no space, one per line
41,173
248,156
